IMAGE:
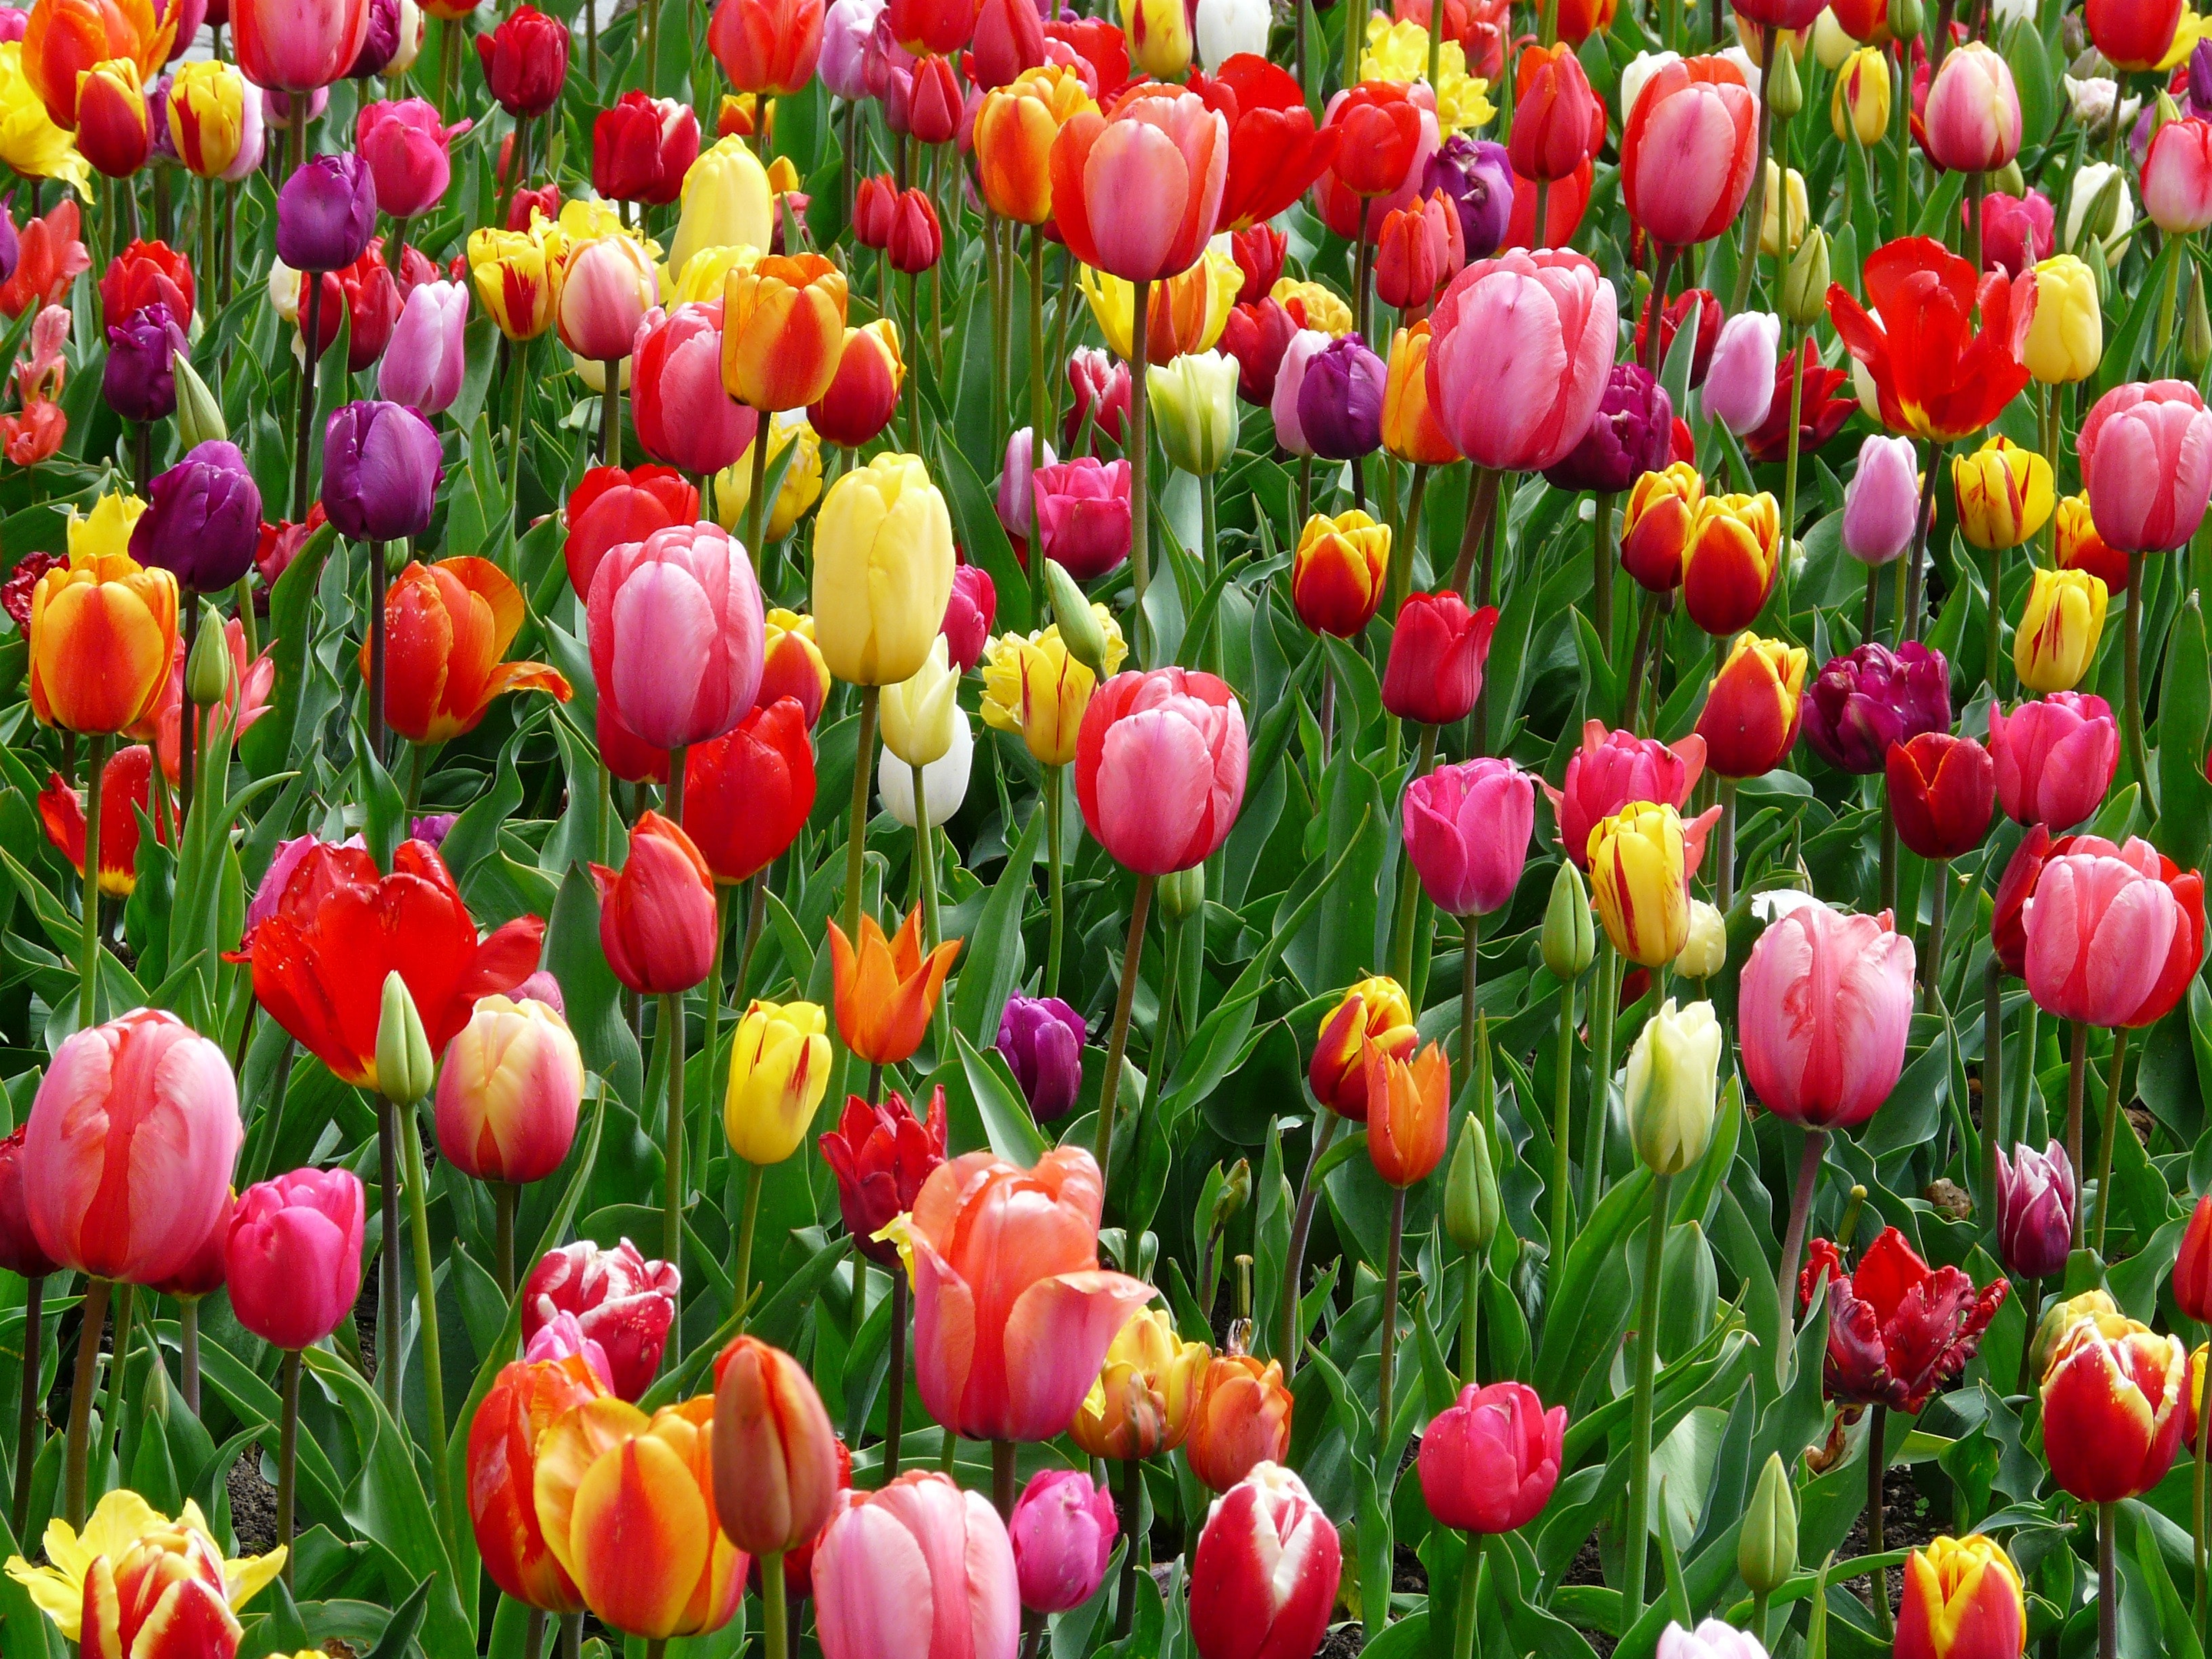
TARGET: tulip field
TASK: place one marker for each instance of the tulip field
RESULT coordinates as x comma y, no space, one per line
1171,829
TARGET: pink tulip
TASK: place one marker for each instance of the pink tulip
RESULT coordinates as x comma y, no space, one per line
1973,111
1521,349
604,294
1012,1313
563,1335
2146,454
1686,148
293,1256
2055,758
1610,770
2176,176
1467,830
1738,389
1289,379
1263,1578
919,1567
1063,1530
424,365
685,418
132,1136
1137,194
1489,1463
1159,767
1083,514
1824,1004
677,633
409,152
1013,502
284,46
621,1302
1881,503
509,1089
2114,933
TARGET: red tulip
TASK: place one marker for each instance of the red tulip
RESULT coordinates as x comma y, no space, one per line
1687,151
1489,1463
2115,1403
1941,789
526,61
1264,1576
1378,128
1897,1330
1558,122
2192,1268
767,46
610,507
523,1402
641,148
125,789
1258,249
2133,35
1935,377
1437,652
19,1246
141,274
932,26
1138,194
915,240
1275,153
1009,38
1419,252
657,913
747,793
880,1155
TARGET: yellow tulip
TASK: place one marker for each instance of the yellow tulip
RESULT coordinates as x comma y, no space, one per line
1638,878
802,479
726,202
1193,403
1033,686
1312,305
2066,336
919,712
1146,1393
1400,52
207,116
1860,104
513,271
2056,641
779,1070
883,570
2004,493
30,143
1159,36
1769,227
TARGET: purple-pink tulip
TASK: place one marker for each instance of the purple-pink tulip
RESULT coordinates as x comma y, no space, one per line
423,366
1738,389
1489,1462
1467,830
2036,1194
292,1259
1882,500
1063,1529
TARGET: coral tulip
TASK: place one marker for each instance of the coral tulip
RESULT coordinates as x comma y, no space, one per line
1138,194
685,417
448,626
2114,934
1242,1420
767,45
775,1454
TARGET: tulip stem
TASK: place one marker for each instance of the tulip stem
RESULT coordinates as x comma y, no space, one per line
1908,621
1793,1243
1647,1365
1470,1579
1888,868
2032,1305
1724,886
1470,1311
88,967
775,1611
303,429
1409,885
1931,969
1301,1225
1562,1128
1040,416
1603,565
287,1458
856,841
1995,646
1481,506
2076,1073
1993,1102
503,1193
748,1218
376,582
1605,994
517,426
713,987
1052,784
2131,647
925,863
572,1624
895,1411
611,413
426,1297
2195,1502
533,1635
2108,1587
1139,453
387,1312
1129,1505
93,1309
1393,1250
756,501
1877,1466
1003,1478
672,1134
1109,1087
28,1396
2112,1122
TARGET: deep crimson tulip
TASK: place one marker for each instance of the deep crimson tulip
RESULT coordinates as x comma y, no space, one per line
1259,250
1941,789
641,148
746,793
1256,336
1275,152
927,104
1489,1462
874,201
916,241
611,506
366,295
880,1155
767,46
1558,122
19,1246
1897,1330
1629,436
143,273
526,61
1872,697
1437,652
1696,303
1824,402
338,928
1936,376
2009,926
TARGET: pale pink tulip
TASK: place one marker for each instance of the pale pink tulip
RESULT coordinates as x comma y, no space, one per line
1824,1006
2147,459
2114,933
2176,176
1521,350
920,1569
1159,767
1973,111
677,635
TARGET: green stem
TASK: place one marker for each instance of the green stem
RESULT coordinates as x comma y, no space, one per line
1140,455
1878,1466
93,1311
2197,1528
856,841
749,1220
1562,1127
2111,1135
29,1439
287,1459
1393,1250
1040,423
1470,1575
2076,1074
1052,784
503,1194
2131,642
389,1289
1470,1313
925,862
1003,1488
895,1415
757,502
1109,1087
426,1297
1993,647
1301,1226
2108,1600
1647,1359
1993,1099
1724,888
672,1137
610,414
87,965
774,1610
1605,993
1409,884
1793,1240
118,1362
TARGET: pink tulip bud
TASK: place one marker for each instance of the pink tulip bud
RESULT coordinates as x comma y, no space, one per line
1972,113
1263,1579
1063,1530
1159,767
424,365
1467,830
293,1258
2114,933
1522,409
1881,500
1738,389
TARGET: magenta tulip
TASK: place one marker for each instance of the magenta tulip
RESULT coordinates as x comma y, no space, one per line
1063,1530
409,151
1083,515
293,1256
1489,1463
1467,830
1825,1006
2055,757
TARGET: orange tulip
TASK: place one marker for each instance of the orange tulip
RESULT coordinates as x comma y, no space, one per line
1408,1113
783,331
774,1453
1243,1418
1014,131
526,1399
102,631
888,989
446,627
66,39
627,1504
1410,430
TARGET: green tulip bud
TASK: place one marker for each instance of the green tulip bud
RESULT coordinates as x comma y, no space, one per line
1766,1547
1182,892
1079,623
404,1070
199,417
1805,285
1235,1190
2197,329
1570,937
1674,1073
1787,94
1472,1207
1905,19
2008,179
208,669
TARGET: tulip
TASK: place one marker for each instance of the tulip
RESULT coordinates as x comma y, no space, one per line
886,990
1290,383
604,287
508,1094
642,147
1972,118
1476,176
1437,652
1419,250
883,570
1705,952
1940,790
676,634
1824,1006
2017,234
880,1155
1493,405
326,213
2035,1200
1338,572
424,365
1159,767
967,615
656,913
1062,1530
943,781
1859,105
1627,438
864,390
1739,387
2113,1407
1752,709
1194,407
2132,36
1015,128
1638,862
1264,1576
1137,196
1898,1330
1408,1113
283,47
923,101
1864,702
2192,1282
1656,522
1340,400
1008,42
204,523
1687,151
1035,687
2004,494
526,61
1731,554
767,45
524,1402
1610,769
1101,386
1467,830
2176,176
2055,757
213,120
1553,110
1146,1396
610,507
1242,1420
622,1301
919,1555
514,277
138,380
112,130
775,1454
292,1258
1374,1016
2055,643
783,331
1041,1039
1489,1462
449,625
2114,934
126,791
915,241
779,1072
100,1199
1962,1597
2147,459
2079,547
726,202
794,498
381,468
748,791
407,150
1943,381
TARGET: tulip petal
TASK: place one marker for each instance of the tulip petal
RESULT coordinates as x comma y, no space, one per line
1057,1336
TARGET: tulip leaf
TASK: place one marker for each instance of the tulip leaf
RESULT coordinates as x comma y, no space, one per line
271,740
1581,1323
992,965
1013,1132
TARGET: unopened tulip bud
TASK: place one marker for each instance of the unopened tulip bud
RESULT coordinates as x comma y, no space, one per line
2009,180
1471,1200
1766,1547
207,673
2196,331
1235,1191
1183,893
1905,19
1079,624
1805,285
775,1454
1787,93
1674,1072
1570,937
199,417
404,1067
1706,953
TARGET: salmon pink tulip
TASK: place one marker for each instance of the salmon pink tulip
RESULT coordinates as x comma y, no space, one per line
1159,767
1520,353
2114,933
1136,193
2147,459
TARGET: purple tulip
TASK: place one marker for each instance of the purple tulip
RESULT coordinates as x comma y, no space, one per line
157,119
1340,400
381,470
1042,1038
2200,82
381,44
1014,498
1063,1529
1882,499
1632,434
423,364
11,249
326,213
1477,176
140,380
433,829
204,522
846,30
1874,697
2036,1194
1467,830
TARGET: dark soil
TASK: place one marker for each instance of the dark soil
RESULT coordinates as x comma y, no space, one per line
1907,1523
1342,1641
252,1504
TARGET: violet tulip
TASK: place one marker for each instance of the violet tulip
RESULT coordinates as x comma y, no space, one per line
1632,434
1882,500
326,213
1521,355
2036,1196
621,1301
424,365
1477,175
1159,767
409,153
1340,400
202,523
918,1556
1489,1462
677,635
381,467
1063,1530
2146,454
1042,1041
139,380
292,1258
2018,231
1290,381
380,44
1824,1008
1264,1576
2115,935
685,417
1437,652
1083,515
1872,697
2055,758
1740,383
1467,830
